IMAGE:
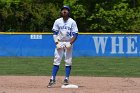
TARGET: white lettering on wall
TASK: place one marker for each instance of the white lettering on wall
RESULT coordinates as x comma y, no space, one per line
132,49
35,36
115,45
100,42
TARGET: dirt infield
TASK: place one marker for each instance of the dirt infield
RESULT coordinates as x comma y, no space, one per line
38,84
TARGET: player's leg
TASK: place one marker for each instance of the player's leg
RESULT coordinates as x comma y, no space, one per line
57,60
68,63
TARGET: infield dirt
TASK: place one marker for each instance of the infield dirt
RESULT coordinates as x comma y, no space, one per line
38,84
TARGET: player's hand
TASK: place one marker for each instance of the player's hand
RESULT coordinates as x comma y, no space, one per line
59,45
68,45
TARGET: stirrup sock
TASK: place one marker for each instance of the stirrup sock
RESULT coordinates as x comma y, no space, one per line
67,71
54,71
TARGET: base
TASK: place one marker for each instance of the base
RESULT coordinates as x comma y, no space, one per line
69,86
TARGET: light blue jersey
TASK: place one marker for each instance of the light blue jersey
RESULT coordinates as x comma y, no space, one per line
65,30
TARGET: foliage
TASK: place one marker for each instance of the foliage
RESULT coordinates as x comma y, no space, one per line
119,18
135,27
78,12
26,16
90,15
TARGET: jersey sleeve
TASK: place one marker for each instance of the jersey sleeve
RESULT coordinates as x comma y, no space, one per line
74,27
55,28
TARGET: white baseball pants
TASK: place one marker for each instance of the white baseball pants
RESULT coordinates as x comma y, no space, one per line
66,52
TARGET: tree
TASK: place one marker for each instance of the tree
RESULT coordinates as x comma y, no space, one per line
90,15
118,18
26,16
78,12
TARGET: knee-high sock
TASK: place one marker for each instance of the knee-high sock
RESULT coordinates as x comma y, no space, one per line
54,71
67,71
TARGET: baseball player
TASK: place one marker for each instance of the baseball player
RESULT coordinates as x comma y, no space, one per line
65,33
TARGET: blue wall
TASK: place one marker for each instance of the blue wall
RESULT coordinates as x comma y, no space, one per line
86,45
26,45
108,45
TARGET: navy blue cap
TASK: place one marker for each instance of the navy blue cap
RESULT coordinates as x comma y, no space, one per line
65,7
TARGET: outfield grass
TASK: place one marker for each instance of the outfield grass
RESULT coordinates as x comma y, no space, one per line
82,66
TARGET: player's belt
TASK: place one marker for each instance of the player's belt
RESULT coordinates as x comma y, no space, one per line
63,40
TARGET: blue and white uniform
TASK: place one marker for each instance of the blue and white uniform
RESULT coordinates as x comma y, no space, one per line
65,33
64,30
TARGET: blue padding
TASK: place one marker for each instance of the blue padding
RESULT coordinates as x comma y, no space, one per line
23,45
85,45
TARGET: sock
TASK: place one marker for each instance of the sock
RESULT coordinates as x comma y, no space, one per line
54,71
67,72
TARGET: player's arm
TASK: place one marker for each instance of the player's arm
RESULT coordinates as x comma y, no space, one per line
69,44
74,33
73,39
55,32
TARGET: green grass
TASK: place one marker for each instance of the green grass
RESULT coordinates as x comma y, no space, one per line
82,66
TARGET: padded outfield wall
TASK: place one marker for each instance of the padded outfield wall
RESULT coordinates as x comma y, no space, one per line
38,44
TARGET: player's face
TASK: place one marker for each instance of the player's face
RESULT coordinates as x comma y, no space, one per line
65,12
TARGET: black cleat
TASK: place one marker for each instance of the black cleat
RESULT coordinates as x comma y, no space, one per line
66,82
51,83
